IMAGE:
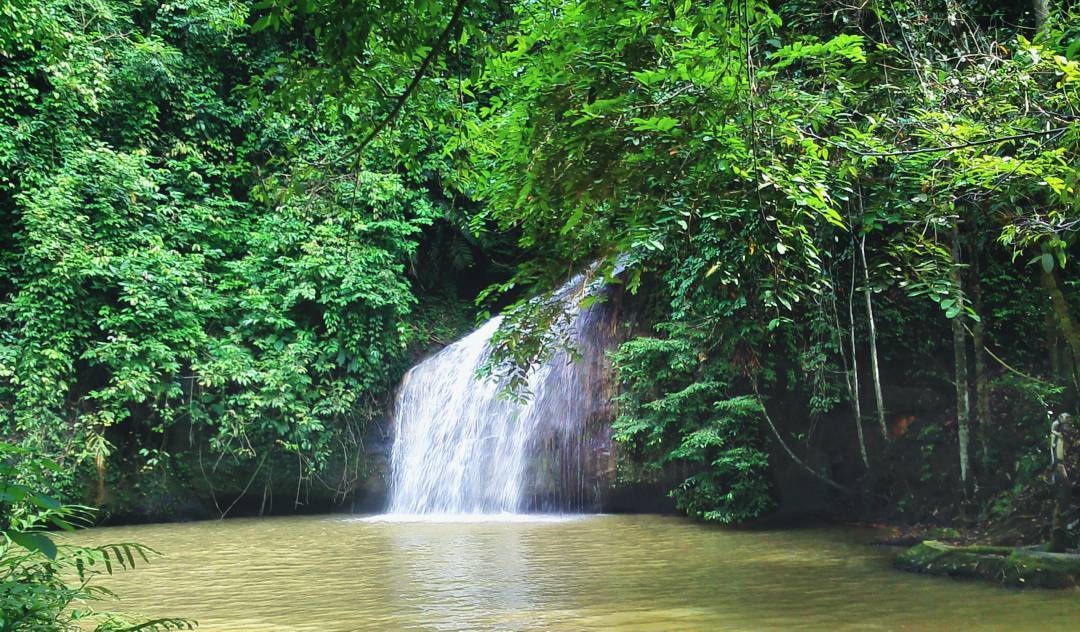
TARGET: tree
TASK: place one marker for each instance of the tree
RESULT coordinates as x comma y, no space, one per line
963,404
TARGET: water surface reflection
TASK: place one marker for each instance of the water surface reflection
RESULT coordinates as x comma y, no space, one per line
588,573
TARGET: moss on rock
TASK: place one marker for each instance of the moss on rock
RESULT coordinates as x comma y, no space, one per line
1019,568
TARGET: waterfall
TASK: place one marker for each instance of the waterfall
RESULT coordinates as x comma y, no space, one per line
460,448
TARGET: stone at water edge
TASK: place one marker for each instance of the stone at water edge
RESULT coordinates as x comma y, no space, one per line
1018,568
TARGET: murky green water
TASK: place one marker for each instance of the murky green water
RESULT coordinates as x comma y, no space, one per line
588,573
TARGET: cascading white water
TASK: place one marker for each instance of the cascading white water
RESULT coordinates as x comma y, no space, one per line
461,449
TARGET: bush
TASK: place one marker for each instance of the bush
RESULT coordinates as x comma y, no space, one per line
677,410
46,586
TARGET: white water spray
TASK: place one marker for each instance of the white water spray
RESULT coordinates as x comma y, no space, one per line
461,449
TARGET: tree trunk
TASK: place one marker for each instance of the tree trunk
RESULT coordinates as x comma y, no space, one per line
852,376
982,386
963,405
1062,491
1053,350
1065,325
875,373
1041,9
1060,429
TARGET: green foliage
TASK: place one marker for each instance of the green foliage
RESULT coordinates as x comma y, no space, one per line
737,156
676,410
202,239
180,259
50,586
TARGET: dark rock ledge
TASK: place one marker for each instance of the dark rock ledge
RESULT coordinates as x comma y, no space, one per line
1013,567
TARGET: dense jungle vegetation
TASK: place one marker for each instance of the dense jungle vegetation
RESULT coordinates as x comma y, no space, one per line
845,230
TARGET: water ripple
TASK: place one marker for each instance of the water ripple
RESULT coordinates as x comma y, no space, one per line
638,573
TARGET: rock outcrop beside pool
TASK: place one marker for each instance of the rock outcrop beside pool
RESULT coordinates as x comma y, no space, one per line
1013,567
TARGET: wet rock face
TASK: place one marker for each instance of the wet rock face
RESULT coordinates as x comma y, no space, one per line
371,492
1013,567
373,488
572,466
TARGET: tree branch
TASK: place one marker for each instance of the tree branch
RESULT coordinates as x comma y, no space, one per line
783,444
436,48
928,150
1005,364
